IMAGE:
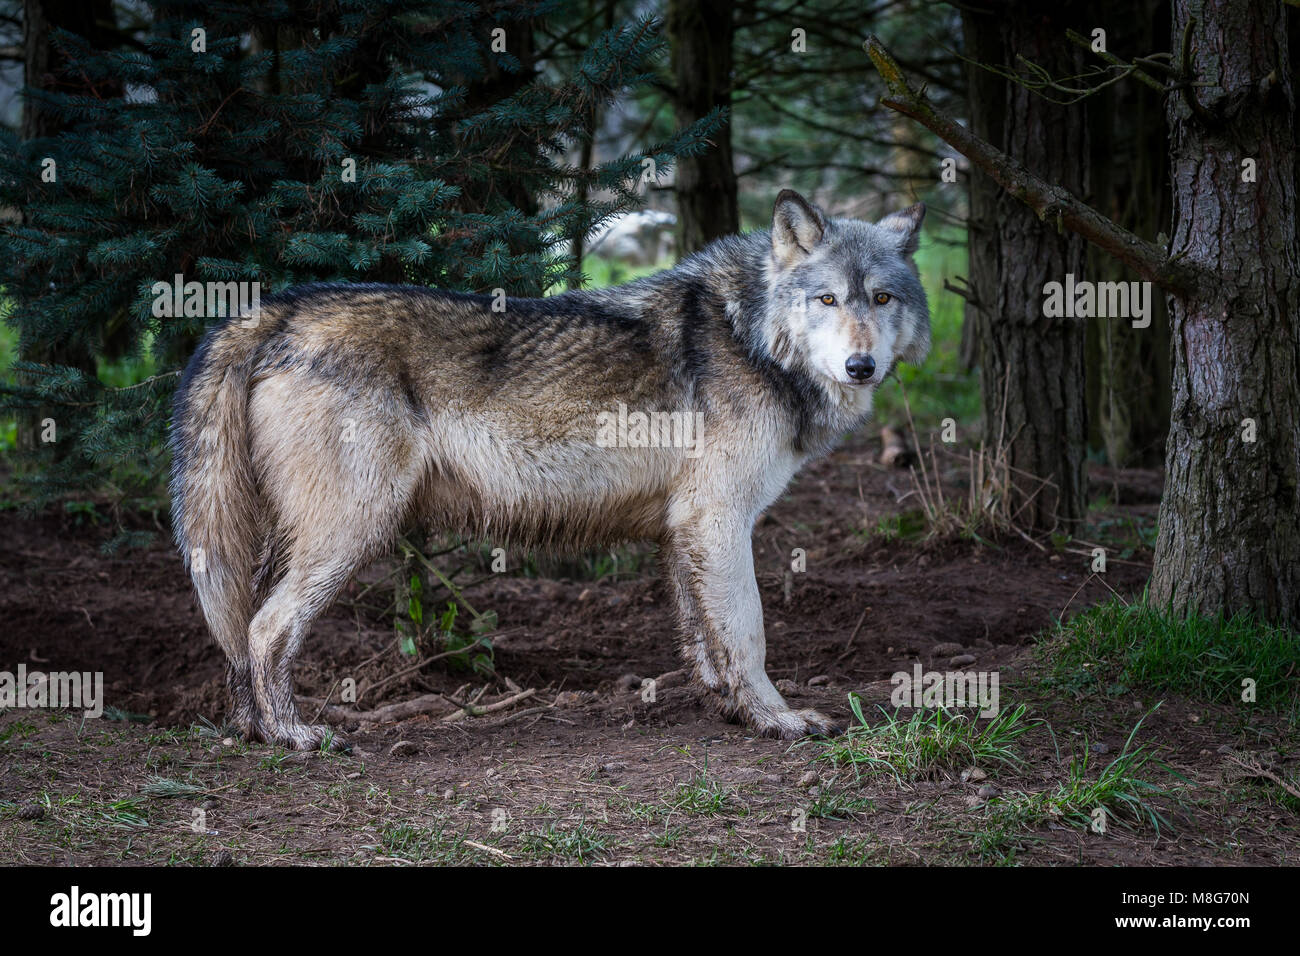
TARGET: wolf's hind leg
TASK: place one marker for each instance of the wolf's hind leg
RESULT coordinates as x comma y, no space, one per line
332,537
243,702
275,637
339,470
725,592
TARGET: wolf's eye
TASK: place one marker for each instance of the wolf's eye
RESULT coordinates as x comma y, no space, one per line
882,298
826,299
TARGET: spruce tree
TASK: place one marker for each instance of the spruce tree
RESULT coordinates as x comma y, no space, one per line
283,142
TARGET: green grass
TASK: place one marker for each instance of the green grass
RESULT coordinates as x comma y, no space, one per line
1118,790
1122,535
1118,794
703,797
1114,648
857,852
602,273
129,369
117,713
113,373
910,525
626,561
416,844
836,805
17,731
165,787
8,352
580,843
928,742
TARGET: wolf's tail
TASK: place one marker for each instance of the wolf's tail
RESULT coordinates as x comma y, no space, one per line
215,502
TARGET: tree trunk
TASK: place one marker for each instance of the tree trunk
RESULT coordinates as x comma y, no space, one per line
1293,35
987,95
1230,519
705,186
1127,368
92,19
1031,367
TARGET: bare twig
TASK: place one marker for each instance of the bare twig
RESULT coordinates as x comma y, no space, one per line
470,710
857,627
420,664
1139,69
1254,769
500,854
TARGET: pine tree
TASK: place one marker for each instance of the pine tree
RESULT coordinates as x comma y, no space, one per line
284,142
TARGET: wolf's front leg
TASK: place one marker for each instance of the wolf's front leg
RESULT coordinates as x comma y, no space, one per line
722,620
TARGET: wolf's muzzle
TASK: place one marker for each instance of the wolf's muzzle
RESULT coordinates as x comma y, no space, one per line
860,366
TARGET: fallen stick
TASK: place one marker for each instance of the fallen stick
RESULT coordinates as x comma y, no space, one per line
1253,769
416,706
526,712
473,710
382,715
418,665
489,849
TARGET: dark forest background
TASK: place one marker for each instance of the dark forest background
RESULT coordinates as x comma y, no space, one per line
496,144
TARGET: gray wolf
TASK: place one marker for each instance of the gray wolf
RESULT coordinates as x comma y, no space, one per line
304,442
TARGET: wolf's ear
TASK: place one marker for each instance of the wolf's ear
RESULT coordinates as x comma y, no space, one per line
797,226
906,223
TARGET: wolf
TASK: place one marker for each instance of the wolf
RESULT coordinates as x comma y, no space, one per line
306,441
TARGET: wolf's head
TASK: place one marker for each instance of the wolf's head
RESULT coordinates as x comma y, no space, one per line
844,299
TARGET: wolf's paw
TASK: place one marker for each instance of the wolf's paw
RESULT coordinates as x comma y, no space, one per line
309,737
243,721
794,724
249,731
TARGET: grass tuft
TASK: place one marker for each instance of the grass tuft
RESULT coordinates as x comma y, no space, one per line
1118,794
581,843
927,743
1114,648
702,797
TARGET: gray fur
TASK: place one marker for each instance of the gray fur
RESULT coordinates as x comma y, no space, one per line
485,423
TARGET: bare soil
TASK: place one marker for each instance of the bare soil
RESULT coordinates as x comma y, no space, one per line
584,769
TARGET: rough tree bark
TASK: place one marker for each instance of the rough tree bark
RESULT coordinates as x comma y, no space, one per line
1229,535
701,36
1128,369
1230,517
1031,367
986,93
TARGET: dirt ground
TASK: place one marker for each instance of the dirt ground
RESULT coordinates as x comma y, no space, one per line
580,768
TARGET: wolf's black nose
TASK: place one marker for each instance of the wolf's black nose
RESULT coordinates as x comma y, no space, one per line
860,366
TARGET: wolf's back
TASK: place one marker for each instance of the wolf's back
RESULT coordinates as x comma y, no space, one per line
215,506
